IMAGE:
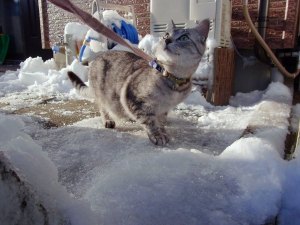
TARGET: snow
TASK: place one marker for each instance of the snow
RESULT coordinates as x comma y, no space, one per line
295,117
41,78
212,172
204,70
291,196
126,180
148,44
77,30
33,163
112,17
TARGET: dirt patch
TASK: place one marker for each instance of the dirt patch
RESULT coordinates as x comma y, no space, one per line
61,113
2,104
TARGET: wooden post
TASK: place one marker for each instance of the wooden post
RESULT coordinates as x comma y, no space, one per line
223,76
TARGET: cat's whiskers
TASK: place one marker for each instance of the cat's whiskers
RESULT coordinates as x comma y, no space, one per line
177,51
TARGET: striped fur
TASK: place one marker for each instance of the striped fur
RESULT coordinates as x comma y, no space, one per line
80,86
125,87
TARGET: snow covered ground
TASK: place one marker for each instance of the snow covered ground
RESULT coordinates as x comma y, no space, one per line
212,172
223,164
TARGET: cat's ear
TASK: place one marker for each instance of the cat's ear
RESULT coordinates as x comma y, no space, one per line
203,27
173,25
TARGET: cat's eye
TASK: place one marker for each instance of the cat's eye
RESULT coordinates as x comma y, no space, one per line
202,39
183,38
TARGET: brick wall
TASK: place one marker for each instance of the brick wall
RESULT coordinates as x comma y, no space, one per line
54,19
280,32
277,24
240,31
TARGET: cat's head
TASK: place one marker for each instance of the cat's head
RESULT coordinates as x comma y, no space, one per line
181,50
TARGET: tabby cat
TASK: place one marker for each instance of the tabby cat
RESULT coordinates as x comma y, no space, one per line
124,86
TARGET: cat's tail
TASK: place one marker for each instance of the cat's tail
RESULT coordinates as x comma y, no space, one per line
80,86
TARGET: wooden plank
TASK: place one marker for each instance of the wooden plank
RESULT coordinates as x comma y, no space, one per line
223,75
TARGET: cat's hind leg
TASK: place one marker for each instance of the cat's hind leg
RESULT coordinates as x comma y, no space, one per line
105,117
107,121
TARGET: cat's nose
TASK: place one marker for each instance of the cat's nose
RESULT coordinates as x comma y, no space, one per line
168,41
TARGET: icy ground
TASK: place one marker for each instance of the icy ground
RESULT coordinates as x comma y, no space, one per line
223,164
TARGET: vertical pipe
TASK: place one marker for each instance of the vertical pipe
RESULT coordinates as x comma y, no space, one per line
263,17
264,45
262,22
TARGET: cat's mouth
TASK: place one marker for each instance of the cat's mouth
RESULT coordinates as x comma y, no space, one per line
168,49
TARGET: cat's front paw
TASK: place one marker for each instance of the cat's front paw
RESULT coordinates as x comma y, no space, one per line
160,139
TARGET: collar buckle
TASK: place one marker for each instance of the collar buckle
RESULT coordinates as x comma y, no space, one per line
175,81
153,63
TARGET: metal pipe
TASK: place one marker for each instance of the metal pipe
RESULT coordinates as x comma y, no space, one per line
260,53
263,17
264,45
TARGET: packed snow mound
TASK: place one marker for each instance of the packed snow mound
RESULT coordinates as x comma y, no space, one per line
188,187
41,77
39,181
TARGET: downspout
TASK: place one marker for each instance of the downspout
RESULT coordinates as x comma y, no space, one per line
260,53
262,17
264,45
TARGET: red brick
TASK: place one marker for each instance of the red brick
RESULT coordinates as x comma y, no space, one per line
275,25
